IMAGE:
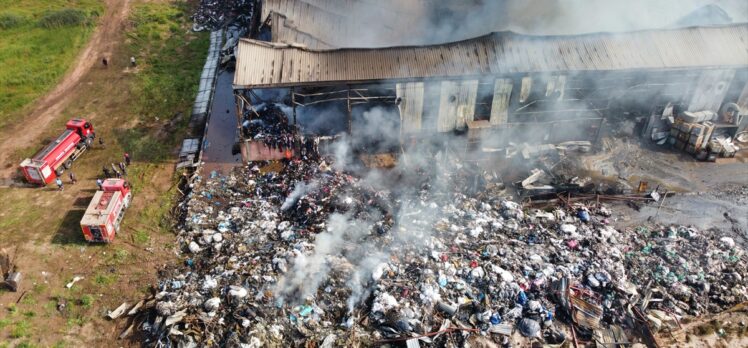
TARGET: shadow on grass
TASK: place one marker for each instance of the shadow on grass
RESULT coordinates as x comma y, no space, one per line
82,202
69,231
142,145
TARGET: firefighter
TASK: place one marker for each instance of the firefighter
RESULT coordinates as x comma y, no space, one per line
59,184
73,179
123,168
127,158
107,174
100,184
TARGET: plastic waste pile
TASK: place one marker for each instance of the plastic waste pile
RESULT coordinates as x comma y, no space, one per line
300,253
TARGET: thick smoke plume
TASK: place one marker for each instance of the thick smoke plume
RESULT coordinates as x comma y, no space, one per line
429,22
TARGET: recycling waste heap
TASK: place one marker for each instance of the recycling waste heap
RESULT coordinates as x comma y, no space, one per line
306,253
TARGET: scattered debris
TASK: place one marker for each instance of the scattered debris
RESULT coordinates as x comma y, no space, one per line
9,276
117,312
307,254
72,282
704,134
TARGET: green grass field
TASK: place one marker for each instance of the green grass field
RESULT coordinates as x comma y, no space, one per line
148,119
39,39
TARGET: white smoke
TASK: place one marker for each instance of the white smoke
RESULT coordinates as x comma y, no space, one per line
300,189
309,271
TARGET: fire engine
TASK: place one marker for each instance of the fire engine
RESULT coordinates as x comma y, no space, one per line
59,155
105,212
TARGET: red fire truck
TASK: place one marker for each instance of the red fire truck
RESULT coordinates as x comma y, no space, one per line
105,212
59,155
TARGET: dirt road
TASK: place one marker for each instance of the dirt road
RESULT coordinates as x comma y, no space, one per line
48,107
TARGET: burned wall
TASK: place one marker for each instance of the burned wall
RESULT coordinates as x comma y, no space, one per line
533,109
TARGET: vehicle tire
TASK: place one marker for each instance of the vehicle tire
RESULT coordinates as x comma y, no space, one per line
59,171
68,164
89,141
79,145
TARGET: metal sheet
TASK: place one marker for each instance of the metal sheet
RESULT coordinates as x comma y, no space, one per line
456,104
500,105
711,89
258,151
259,64
328,23
743,99
524,93
411,106
586,314
555,85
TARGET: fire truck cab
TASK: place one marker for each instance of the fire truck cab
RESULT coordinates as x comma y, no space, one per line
102,219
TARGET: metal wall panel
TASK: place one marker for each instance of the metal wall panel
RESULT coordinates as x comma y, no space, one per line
556,85
501,94
711,89
526,89
743,100
411,106
456,104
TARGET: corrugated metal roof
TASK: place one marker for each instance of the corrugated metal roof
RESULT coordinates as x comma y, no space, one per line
321,24
266,65
284,31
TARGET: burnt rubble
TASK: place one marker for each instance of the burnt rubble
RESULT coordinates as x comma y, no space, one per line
269,124
300,253
213,14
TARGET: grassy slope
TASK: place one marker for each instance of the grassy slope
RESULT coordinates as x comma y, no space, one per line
147,118
33,58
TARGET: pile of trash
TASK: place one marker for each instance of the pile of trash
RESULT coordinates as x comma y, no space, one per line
300,253
270,125
213,14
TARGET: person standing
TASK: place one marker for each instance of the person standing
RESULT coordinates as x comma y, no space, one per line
105,62
127,158
132,61
100,184
107,174
123,168
73,179
59,184
101,141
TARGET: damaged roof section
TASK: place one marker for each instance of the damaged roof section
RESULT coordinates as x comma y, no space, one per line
268,65
323,24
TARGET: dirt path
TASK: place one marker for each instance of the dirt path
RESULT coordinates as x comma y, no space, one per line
48,107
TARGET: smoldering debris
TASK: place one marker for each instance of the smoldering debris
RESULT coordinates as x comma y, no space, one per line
270,125
350,262
213,14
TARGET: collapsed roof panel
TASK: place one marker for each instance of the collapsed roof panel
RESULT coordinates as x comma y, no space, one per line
321,24
268,65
